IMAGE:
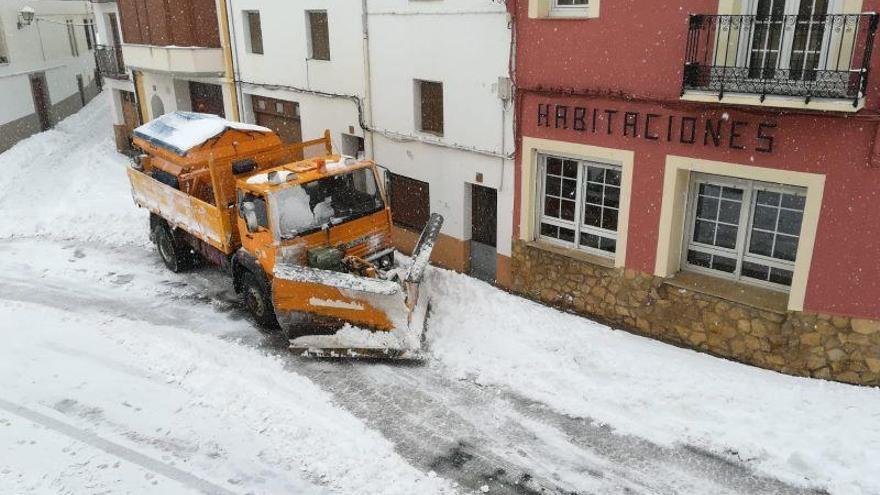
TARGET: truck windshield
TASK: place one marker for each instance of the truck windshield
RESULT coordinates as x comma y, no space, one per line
305,208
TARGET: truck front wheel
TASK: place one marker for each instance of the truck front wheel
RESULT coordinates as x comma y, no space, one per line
258,301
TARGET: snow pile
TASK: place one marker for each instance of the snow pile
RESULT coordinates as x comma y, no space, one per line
183,131
66,183
199,404
807,432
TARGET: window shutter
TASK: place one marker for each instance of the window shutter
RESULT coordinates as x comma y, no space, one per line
320,33
255,28
432,106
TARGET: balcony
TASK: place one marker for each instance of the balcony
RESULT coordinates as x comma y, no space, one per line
185,60
109,61
794,61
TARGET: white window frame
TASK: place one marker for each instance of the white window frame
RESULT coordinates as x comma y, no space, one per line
744,233
557,10
577,225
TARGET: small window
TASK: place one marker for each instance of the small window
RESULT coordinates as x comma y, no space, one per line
580,204
89,30
254,32
410,202
319,35
71,38
744,230
429,114
4,53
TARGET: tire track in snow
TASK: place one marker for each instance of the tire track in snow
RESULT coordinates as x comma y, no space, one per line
186,479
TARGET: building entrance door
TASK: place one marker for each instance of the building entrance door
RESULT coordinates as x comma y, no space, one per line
40,93
484,233
81,88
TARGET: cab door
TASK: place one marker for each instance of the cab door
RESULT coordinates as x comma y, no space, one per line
258,243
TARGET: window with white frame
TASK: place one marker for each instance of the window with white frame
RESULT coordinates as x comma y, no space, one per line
569,7
580,203
744,230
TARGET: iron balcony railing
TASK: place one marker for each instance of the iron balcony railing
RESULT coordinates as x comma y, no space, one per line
110,63
821,56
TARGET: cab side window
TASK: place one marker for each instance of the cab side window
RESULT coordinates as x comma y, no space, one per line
259,208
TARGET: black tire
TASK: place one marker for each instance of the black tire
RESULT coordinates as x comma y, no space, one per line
176,257
258,301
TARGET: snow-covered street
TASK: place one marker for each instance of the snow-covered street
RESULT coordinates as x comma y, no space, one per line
118,376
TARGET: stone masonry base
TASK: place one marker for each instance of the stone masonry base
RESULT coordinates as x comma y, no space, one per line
821,346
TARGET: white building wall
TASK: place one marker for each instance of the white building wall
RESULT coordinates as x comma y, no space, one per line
42,47
284,70
465,44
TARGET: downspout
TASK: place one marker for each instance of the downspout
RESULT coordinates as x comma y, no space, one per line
368,79
229,76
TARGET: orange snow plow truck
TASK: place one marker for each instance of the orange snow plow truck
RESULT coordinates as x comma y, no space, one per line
305,233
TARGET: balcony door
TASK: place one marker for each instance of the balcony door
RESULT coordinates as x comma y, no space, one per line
787,39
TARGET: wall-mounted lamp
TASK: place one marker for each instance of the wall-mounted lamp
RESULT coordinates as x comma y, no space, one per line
26,16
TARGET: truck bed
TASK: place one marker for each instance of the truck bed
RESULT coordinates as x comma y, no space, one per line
200,219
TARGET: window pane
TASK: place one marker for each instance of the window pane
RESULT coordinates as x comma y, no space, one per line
762,243
705,232
568,208
697,258
707,208
786,247
551,207
593,216
612,197
756,271
606,244
549,230
554,186
730,212
566,235
790,222
609,219
765,218
782,277
613,177
570,169
594,194
723,264
590,240
569,189
768,198
710,190
794,202
596,174
726,236
732,193
554,166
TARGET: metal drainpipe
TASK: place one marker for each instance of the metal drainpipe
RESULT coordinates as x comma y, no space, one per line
368,77
228,58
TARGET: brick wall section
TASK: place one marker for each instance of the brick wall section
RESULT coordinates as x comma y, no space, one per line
820,346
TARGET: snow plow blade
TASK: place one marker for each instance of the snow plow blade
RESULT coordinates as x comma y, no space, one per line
382,319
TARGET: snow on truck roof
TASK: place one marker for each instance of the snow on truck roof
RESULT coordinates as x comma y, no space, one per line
183,131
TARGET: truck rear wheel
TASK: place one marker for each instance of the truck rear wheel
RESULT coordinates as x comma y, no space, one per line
258,301
177,258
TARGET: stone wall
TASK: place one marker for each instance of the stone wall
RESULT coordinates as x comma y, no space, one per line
821,346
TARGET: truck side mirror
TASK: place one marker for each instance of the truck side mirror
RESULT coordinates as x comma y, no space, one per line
249,214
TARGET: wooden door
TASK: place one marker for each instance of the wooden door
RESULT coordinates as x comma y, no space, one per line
129,110
40,93
206,98
81,88
484,233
